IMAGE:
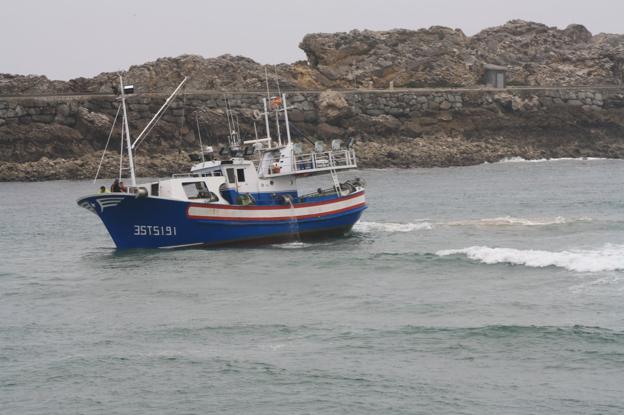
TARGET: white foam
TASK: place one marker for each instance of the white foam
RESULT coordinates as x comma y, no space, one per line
523,160
513,221
291,245
608,258
366,227
393,227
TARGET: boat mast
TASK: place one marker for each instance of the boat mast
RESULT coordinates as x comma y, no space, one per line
286,118
121,146
277,126
266,120
127,129
265,102
277,109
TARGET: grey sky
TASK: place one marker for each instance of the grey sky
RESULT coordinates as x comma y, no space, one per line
69,38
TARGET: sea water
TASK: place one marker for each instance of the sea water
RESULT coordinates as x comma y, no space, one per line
494,289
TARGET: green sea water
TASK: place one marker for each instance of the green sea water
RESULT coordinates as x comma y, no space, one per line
494,289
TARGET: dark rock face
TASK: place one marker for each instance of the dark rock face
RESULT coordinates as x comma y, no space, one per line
22,142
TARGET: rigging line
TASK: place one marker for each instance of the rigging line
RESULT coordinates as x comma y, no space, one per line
149,130
279,91
156,120
227,116
201,146
165,105
110,134
309,139
238,128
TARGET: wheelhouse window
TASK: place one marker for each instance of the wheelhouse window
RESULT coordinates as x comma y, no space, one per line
240,174
196,190
230,175
154,189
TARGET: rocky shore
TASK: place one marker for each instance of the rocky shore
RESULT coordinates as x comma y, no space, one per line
408,98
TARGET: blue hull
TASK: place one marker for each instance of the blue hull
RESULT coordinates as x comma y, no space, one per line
157,222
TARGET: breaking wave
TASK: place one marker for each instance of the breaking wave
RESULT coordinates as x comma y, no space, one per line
366,227
608,258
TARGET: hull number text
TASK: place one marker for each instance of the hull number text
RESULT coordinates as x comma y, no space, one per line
153,230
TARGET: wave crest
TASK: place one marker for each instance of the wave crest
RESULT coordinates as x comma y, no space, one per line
608,258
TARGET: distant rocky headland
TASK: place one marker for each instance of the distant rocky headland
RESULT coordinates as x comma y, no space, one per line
409,98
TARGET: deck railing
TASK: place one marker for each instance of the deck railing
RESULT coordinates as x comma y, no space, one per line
335,159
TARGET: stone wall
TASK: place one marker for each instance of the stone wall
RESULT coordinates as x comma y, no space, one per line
72,126
65,110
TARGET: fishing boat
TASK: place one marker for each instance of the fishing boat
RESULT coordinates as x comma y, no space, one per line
246,193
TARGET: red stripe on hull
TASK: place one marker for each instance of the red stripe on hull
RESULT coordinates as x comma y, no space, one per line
297,205
282,218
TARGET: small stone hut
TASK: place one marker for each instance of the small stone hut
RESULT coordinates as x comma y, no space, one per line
495,75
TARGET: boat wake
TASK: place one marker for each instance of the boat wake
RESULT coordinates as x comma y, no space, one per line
394,227
608,258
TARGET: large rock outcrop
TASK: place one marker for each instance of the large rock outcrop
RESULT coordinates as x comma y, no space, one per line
224,73
535,55
31,85
434,57
538,55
